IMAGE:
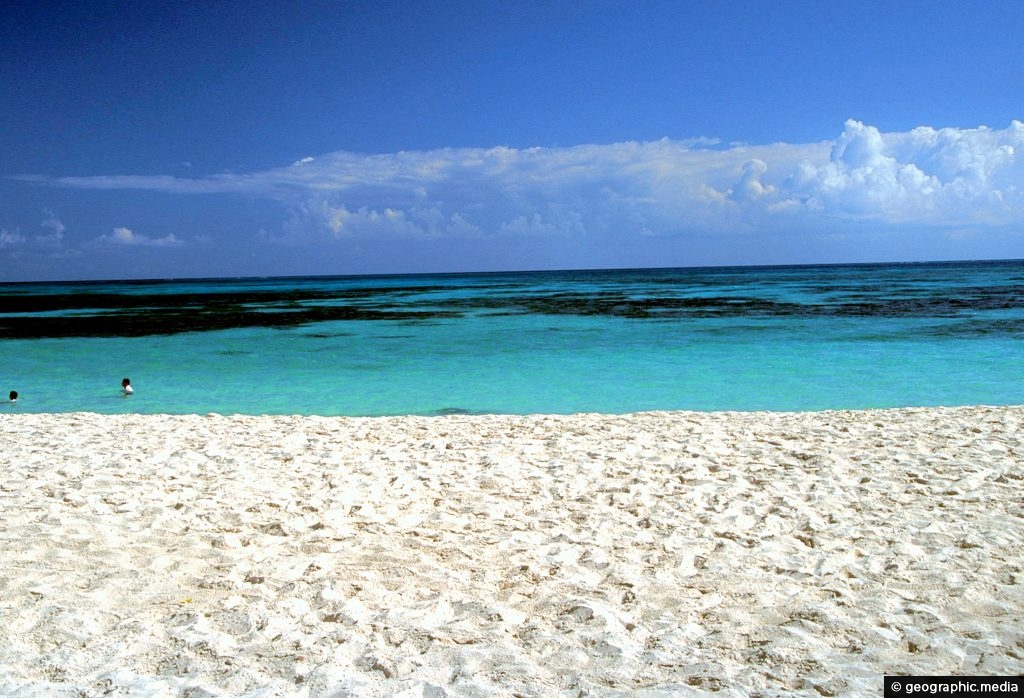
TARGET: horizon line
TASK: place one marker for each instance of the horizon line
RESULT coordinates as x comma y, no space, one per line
486,272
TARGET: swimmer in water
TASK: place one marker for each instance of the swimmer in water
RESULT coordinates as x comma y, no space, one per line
126,386
13,396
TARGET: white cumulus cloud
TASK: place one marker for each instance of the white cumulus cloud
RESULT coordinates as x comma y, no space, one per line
925,176
126,236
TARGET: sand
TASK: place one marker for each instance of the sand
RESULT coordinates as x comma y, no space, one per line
655,554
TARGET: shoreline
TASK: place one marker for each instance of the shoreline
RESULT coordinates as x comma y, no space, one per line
651,553
13,410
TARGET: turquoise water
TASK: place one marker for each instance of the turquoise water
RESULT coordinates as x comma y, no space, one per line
772,338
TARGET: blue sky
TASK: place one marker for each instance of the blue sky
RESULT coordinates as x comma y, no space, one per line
168,139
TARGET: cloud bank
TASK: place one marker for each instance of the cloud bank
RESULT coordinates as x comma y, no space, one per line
950,177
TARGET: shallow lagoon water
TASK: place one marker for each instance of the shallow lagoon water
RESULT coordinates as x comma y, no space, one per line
754,338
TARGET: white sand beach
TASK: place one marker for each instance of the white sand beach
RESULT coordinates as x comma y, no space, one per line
655,554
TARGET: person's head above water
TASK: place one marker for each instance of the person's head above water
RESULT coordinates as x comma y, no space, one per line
13,396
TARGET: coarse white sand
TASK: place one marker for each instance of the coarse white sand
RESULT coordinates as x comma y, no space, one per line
655,554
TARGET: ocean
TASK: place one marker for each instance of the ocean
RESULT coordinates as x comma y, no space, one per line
613,341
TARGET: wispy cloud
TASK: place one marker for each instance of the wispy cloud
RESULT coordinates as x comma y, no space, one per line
11,238
947,177
55,236
52,238
52,223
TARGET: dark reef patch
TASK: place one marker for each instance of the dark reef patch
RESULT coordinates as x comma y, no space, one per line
452,411
136,314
